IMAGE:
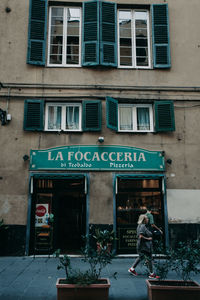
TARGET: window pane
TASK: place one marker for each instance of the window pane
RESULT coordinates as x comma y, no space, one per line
143,120
141,39
72,50
125,118
125,52
125,38
64,40
73,38
54,117
56,39
72,117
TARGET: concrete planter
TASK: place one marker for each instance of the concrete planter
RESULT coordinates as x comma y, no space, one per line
173,290
97,291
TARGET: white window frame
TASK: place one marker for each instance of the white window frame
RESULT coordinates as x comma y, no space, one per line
64,38
63,115
133,40
134,107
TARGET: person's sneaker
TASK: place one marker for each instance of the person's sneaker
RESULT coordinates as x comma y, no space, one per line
132,271
154,276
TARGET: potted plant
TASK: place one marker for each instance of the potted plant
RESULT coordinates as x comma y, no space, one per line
87,284
184,260
104,239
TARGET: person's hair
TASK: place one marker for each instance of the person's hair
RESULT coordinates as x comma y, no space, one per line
149,208
141,219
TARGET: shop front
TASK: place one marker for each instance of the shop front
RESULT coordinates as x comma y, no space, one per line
134,194
61,195
58,212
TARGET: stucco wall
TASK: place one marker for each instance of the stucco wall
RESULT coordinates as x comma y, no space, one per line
101,198
184,39
183,206
181,146
23,81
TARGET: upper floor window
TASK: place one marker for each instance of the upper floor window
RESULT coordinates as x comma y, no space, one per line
65,117
97,34
133,39
135,117
64,36
40,115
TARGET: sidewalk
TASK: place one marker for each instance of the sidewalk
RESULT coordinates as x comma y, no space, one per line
28,278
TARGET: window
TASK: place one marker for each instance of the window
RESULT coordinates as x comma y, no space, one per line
93,35
133,39
135,117
64,36
65,117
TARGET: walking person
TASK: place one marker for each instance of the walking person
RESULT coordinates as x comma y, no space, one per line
151,225
144,247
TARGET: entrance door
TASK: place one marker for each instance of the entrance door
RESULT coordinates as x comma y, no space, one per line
64,201
132,198
70,221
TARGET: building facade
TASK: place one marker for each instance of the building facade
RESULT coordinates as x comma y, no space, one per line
99,118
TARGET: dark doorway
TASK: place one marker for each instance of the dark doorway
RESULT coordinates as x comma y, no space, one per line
70,216
65,201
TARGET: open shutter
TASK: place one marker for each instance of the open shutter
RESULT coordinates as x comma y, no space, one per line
90,44
37,32
164,116
160,30
92,115
33,115
112,113
108,34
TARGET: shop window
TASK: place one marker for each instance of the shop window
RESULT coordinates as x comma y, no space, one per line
88,35
51,116
133,196
135,117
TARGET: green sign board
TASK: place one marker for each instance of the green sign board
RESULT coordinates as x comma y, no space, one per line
102,158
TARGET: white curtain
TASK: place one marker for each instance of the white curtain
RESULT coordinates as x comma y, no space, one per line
143,122
72,117
125,116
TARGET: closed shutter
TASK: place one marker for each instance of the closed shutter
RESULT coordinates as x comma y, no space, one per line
164,116
92,115
37,32
160,30
108,34
33,115
112,113
90,44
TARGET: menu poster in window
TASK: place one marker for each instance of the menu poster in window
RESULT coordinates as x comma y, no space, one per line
41,214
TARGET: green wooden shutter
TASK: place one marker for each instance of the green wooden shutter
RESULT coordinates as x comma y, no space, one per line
112,113
90,43
33,115
92,115
164,116
108,34
160,30
37,32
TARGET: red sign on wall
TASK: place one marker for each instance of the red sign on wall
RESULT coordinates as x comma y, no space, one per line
40,211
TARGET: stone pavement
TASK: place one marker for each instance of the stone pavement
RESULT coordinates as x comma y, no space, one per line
29,278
